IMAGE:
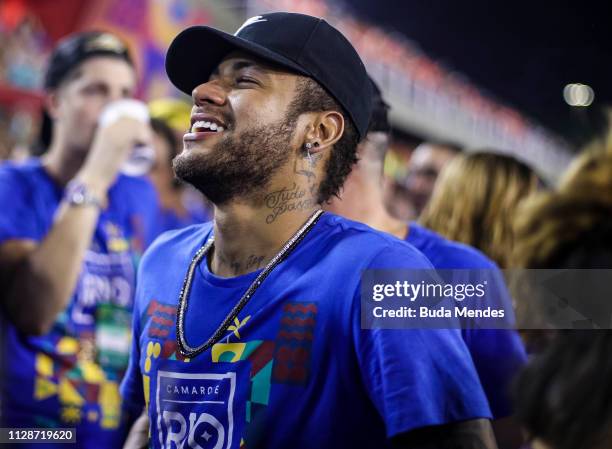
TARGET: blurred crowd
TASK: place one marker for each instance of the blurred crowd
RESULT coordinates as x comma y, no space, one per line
483,206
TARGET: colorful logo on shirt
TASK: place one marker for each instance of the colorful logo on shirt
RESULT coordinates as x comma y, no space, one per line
106,279
195,410
162,319
260,355
83,389
162,328
294,343
82,371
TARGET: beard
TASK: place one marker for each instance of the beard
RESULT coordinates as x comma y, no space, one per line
239,165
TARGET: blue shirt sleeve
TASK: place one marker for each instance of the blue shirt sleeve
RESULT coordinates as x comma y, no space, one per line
18,219
416,377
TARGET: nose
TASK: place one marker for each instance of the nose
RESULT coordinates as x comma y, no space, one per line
211,93
115,95
420,185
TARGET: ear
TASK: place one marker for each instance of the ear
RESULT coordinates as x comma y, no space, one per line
51,103
326,129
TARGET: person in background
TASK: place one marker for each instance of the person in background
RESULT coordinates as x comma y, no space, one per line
498,354
475,200
426,162
563,396
569,228
397,198
581,204
67,231
179,206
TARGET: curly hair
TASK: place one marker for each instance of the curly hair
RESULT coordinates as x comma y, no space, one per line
311,97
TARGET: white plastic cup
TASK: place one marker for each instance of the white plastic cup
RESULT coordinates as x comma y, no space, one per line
142,157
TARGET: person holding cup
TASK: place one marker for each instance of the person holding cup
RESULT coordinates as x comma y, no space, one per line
69,231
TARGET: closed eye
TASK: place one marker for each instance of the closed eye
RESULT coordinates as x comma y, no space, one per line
95,89
246,79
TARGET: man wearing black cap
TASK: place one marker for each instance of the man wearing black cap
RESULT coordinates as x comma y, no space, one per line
66,258
247,329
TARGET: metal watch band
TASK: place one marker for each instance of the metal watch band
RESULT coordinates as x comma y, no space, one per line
77,194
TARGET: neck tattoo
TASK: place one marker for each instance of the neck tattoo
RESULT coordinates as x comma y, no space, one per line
188,351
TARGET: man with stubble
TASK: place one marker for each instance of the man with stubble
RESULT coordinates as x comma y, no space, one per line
248,330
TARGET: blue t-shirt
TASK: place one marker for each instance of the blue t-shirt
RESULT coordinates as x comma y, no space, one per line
498,354
295,369
70,377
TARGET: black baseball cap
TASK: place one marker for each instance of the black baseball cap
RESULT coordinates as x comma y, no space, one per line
300,43
76,48
379,122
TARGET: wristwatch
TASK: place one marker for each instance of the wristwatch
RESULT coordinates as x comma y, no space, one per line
78,194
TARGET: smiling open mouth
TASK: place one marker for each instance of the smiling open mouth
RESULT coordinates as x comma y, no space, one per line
201,126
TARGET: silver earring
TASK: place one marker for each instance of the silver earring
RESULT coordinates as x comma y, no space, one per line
308,147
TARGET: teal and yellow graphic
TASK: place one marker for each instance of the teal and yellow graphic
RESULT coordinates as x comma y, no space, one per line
153,351
83,389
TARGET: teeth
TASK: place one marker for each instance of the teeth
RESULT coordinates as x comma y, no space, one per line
206,125
198,124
